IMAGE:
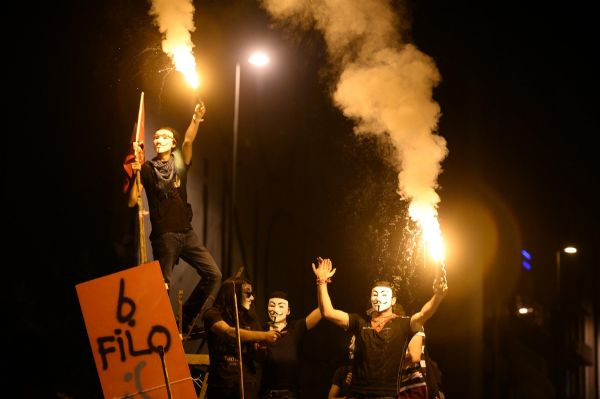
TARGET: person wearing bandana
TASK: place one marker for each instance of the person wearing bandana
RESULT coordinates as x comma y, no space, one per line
381,339
220,322
281,368
164,179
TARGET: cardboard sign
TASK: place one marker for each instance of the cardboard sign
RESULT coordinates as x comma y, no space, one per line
130,322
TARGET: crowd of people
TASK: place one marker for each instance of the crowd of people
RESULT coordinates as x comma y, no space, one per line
387,357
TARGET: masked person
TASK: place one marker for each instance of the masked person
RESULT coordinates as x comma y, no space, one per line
340,383
382,339
220,322
165,180
282,363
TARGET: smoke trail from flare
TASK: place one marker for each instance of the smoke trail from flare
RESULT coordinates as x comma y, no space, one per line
385,85
175,20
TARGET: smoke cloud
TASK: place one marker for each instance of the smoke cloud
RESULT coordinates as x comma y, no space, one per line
175,20
385,86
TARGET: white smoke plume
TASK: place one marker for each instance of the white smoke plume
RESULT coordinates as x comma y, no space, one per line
385,85
175,20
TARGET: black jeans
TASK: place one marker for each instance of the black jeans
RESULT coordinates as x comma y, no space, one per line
169,247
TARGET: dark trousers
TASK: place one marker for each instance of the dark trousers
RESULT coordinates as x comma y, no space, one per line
169,247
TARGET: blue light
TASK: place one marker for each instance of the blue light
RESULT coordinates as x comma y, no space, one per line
526,265
526,254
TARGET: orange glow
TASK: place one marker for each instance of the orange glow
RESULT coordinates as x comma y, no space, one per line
186,64
426,217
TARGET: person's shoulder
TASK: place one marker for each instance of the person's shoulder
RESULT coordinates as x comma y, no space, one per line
356,319
402,319
178,160
212,314
356,316
297,322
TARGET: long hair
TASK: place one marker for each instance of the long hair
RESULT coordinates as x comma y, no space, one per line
224,302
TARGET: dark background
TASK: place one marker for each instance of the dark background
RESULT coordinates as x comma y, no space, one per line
518,100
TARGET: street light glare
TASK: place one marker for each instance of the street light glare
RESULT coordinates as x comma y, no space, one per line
259,59
524,310
570,250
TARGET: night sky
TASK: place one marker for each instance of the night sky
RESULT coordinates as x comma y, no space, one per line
518,102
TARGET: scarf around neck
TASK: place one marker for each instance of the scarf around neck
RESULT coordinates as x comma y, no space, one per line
165,172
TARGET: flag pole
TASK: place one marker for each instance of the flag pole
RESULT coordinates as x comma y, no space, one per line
140,205
239,342
237,332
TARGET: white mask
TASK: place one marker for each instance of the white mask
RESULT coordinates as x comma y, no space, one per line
278,309
247,296
382,298
163,141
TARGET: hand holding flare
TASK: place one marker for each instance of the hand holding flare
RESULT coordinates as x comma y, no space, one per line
440,283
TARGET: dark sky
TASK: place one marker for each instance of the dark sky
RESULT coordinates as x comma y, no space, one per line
518,101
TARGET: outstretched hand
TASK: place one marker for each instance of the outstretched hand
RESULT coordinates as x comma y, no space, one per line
440,287
199,111
324,269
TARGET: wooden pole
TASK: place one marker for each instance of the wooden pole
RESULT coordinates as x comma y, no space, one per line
140,205
239,342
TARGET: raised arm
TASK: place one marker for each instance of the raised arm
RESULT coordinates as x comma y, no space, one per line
223,329
440,289
190,133
324,271
313,318
415,348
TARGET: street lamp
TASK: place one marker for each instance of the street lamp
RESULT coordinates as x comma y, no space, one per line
562,336
569,250
257,59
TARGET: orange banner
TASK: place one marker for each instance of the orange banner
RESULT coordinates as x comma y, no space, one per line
130,321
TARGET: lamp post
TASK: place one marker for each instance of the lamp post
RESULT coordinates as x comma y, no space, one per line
258,59
570,250
562,373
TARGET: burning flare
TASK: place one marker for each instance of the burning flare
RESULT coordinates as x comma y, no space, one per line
186,64
426,217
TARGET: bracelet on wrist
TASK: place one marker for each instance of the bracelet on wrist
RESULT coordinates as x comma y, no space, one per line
321,281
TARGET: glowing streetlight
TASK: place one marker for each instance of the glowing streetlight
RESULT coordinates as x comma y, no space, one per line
257,59
525,310
569,250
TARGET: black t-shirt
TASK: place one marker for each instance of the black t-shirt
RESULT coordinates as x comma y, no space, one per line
339,379
377,355
169,210
223,352
281,367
